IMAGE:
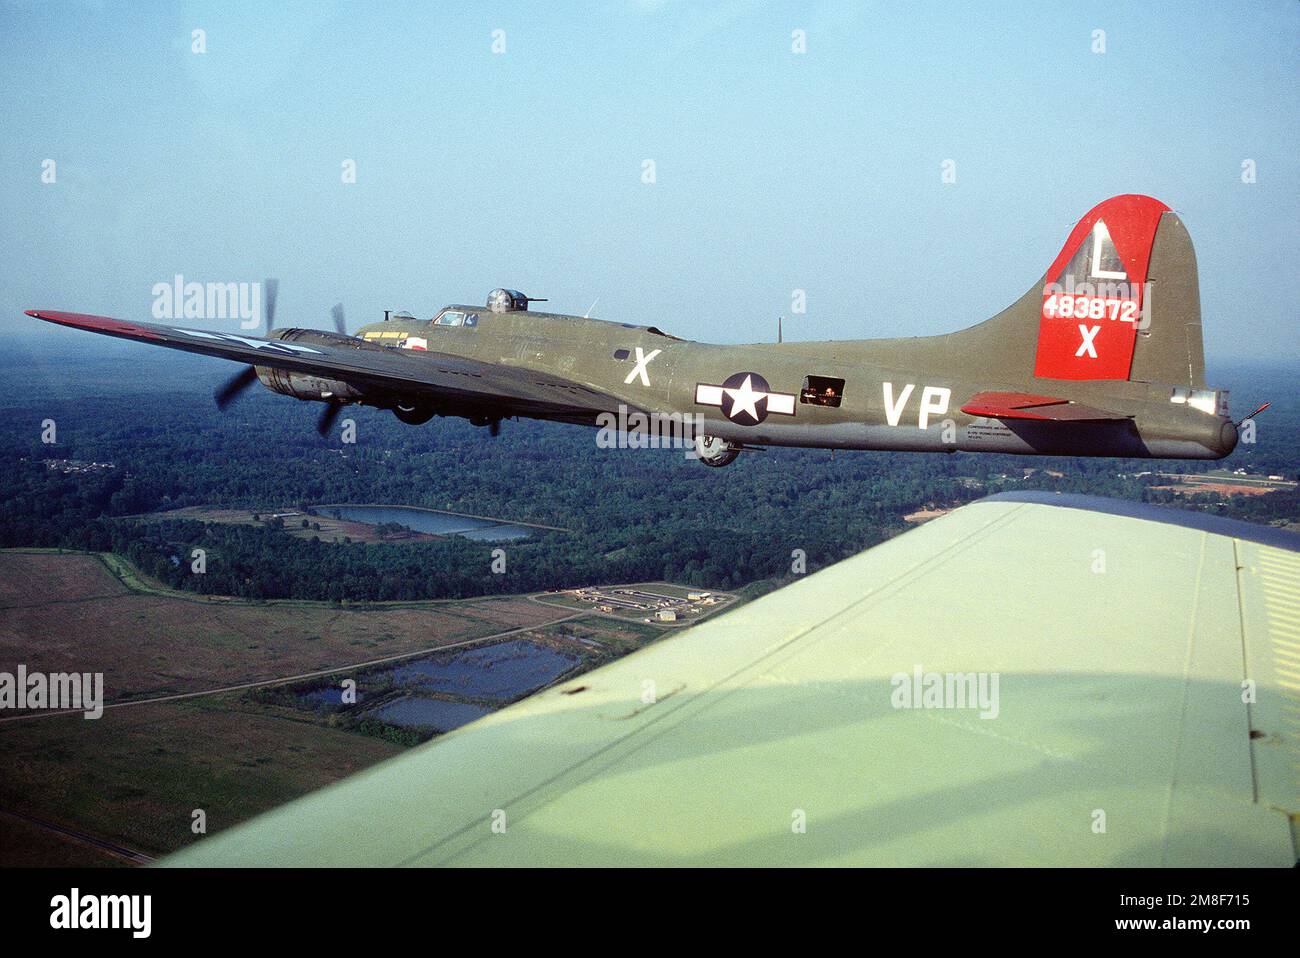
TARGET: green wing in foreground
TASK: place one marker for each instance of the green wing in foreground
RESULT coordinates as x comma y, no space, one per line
1030,680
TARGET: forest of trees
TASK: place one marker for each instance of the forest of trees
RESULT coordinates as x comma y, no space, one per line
633,514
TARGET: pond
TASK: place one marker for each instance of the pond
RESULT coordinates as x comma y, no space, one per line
496,673
427,520
416,711
329,696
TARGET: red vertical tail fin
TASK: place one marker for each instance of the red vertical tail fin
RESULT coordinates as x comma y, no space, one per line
1121,301
1094,291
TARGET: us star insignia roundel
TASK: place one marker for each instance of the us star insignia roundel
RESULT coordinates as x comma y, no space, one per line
745,399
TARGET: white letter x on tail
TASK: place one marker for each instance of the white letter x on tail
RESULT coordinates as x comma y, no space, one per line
1088,334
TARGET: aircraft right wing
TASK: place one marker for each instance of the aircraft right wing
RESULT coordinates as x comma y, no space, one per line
1031,680
410,374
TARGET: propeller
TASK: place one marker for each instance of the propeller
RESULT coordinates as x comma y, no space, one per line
332,409
327,417
234,387
494,428
272,289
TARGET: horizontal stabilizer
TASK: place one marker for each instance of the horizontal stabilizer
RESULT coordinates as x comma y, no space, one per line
998,405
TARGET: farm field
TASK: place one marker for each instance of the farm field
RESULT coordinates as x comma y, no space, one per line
205,697
69,612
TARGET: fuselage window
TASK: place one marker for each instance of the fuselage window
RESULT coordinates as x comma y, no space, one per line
450,319
822,391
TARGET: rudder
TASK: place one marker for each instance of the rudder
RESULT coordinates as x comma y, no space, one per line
1170,349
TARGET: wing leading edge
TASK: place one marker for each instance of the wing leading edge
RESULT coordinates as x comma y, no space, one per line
1107,651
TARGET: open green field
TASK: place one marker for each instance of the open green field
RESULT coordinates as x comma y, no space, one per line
135,777
611,635
71,613
186,726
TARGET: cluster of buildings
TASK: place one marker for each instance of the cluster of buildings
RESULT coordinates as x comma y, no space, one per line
662,607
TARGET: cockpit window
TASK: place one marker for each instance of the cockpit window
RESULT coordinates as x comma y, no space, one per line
450,318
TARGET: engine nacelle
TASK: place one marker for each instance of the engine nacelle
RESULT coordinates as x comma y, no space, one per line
307,385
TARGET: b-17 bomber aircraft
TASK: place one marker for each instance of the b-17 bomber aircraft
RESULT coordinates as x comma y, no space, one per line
1102,357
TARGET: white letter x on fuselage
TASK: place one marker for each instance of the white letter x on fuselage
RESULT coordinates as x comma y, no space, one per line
642,360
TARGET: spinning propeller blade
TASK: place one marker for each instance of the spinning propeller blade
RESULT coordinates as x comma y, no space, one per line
235,386
327,417
272,288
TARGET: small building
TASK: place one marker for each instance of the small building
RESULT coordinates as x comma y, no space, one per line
698,596
666,615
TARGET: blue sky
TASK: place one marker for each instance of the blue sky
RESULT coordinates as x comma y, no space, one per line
775,171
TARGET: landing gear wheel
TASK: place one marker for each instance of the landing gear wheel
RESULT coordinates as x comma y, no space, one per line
715,452
413,415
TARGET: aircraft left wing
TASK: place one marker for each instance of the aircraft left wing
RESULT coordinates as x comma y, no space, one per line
407,373
1030,680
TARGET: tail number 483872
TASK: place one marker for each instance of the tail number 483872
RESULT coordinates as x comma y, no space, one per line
1062,306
